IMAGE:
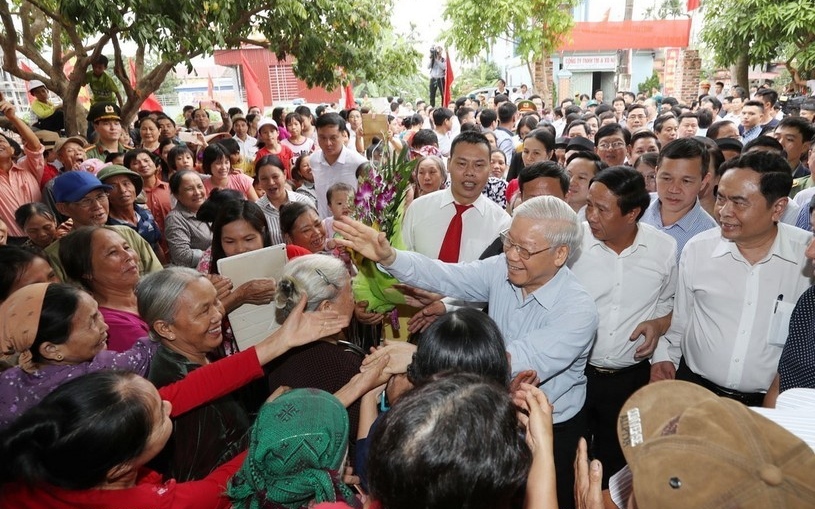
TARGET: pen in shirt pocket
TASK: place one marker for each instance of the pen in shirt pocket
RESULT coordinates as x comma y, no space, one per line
779,299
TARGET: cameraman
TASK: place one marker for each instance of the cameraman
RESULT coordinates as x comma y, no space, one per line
438,70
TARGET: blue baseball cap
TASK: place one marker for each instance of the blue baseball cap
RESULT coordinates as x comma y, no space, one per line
72,186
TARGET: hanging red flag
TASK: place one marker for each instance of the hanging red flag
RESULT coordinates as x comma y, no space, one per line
693,4
254,97
349,97
150,102
448,80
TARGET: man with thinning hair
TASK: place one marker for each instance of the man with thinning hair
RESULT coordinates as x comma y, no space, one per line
547,318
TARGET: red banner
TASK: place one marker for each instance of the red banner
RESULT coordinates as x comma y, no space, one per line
254,97
448,81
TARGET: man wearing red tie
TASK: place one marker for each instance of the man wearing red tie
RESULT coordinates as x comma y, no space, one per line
456,224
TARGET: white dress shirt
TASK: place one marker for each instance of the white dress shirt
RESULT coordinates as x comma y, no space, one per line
629,288
344,169
445,141
427,219
724,308
249,147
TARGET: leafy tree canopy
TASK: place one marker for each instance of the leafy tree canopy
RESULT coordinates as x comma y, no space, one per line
330,41
763,31
537,27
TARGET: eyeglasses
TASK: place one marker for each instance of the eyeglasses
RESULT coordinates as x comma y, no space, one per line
608,146
90,201
523,252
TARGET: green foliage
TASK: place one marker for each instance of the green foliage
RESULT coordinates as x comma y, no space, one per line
396,70
649,84
766,31
328,40
666,9
537,27
482,75
408,87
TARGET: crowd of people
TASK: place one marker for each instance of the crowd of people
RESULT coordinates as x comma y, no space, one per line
587,285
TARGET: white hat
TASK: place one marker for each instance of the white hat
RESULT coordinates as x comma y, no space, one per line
267,121
35,84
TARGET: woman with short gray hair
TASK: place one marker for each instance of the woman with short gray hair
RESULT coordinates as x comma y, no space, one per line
158,295
324,364
184,314
320,277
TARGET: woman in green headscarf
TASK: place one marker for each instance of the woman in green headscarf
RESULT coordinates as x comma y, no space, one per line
297,450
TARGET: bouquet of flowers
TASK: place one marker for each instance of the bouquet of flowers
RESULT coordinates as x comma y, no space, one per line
379,203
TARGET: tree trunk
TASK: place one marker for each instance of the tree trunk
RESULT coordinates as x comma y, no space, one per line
75,114
541,78
629,10
739,71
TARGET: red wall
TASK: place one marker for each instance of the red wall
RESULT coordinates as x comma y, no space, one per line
260,60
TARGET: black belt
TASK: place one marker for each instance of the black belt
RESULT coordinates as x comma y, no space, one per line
612,372
746,398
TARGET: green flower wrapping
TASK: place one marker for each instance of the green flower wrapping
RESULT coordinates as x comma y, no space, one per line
380,203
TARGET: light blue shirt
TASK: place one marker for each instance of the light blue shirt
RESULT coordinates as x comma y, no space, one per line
802,221
550,330
696,221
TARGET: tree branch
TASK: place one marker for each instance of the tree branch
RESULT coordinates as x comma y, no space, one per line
75,53
246,40
48,12
56,47
8,37
8,41
119,68
244,19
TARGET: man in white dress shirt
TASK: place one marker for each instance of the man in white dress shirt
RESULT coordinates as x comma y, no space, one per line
334,162
628,268
737,286
443,127
428,217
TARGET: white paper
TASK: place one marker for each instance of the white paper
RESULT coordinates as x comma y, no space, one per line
252,323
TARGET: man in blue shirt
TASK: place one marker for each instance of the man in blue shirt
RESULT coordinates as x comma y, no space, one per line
682,172
546,316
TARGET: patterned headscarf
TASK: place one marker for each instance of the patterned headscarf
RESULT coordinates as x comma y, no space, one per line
427,150
19,321
296,452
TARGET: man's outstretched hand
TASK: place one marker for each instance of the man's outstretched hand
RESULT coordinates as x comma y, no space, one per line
364,240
